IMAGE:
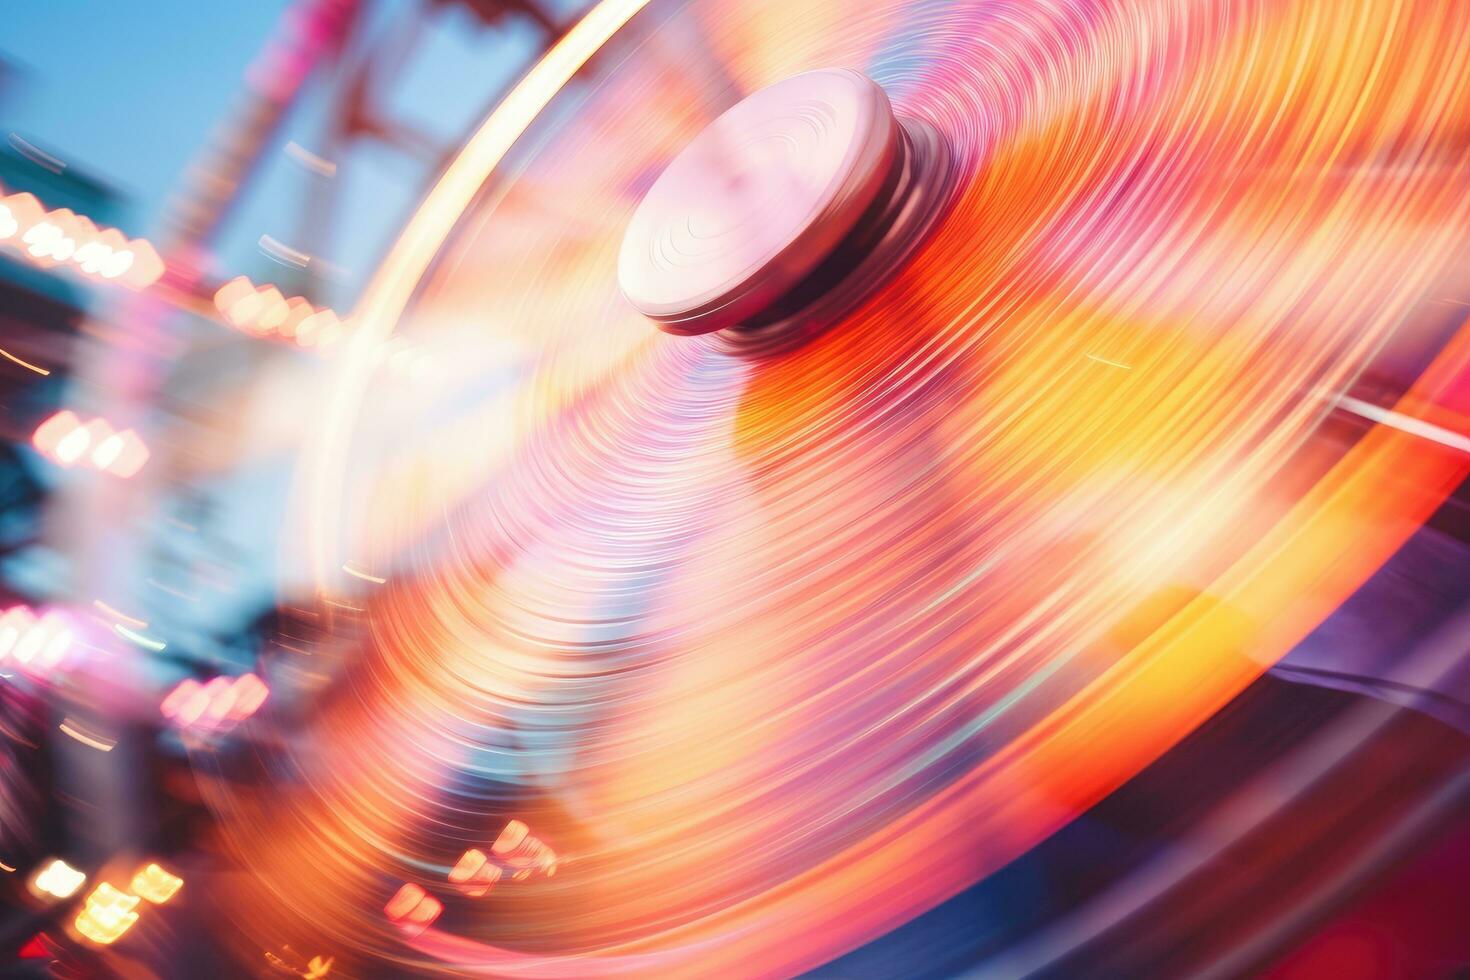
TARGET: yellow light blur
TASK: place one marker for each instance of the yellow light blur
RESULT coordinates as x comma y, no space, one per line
155,884
108,914
58,880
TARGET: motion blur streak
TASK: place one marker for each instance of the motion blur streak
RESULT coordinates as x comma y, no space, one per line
390,291
777,650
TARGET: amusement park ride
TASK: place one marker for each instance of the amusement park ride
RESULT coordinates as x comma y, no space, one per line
752,487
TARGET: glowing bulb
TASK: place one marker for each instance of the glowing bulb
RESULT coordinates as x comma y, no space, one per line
107,451
29,645
232,292
67,442
523,853
23,210
474,874
275,312
117,264
107,915
92,256
16,623
510,838
105,925
311,329
412,909
194,706
155,884
110,896
8,225
217,705
244,311
131,455
249,693
298,309
143,265
50,432
42,238
58,642
181,695
220,694
71,446
57,879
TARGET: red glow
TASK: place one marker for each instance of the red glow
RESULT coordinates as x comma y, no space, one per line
35,643
217,705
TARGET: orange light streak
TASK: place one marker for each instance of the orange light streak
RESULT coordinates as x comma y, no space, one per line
89,740
25,364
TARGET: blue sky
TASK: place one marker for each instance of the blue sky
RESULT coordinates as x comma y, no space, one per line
130,90
127,90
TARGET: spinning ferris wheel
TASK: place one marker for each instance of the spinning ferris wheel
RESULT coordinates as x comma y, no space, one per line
905,487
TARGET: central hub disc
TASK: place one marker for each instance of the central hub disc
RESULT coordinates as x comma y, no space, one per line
759,200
